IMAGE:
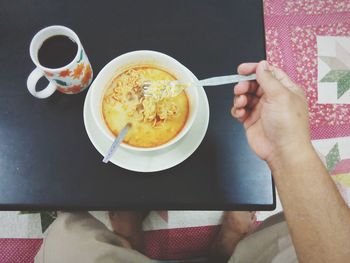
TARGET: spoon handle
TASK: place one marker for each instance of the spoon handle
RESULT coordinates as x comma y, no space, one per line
226,80
116,143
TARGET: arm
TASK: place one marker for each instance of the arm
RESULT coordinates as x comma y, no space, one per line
274,113
317,216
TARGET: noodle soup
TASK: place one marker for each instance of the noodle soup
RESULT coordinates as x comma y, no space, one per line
153,122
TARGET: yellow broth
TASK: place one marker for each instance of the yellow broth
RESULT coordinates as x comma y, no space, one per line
153,123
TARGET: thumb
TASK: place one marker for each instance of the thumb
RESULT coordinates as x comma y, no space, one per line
270,85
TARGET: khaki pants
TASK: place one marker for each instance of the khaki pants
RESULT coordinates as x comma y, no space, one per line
79,237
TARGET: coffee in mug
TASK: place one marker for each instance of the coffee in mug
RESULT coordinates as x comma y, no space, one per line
57,51
60,57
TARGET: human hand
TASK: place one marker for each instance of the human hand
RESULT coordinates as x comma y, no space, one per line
273,110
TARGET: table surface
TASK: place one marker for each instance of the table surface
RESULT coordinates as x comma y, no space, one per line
46,158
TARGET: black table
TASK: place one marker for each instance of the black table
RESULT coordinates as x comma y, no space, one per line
46,158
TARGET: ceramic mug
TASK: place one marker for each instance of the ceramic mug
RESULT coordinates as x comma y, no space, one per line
69,79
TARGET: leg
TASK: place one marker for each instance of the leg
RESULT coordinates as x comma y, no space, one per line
79,237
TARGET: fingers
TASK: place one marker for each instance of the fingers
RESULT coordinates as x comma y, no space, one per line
254,116
240,101
281,76
276,82
243,106
259,92
247,68
245,87
247,100
271,77
240,114
265,77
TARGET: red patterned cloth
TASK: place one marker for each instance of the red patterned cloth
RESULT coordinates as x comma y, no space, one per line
291,30
179,243
18,250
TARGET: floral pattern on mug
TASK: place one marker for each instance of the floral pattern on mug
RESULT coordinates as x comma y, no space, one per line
87,75
75,79
77,71
70,90
48,74
65,73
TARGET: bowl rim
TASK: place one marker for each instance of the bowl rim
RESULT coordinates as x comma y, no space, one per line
96,114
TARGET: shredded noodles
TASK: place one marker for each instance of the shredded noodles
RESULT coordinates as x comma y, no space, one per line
127,90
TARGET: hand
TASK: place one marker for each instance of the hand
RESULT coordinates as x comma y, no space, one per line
273,110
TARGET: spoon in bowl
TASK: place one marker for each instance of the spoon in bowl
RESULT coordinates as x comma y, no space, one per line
116,143
161,89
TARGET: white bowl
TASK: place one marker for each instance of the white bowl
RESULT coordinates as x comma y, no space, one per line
137,58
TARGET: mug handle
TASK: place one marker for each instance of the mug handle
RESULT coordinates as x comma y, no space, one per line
33,78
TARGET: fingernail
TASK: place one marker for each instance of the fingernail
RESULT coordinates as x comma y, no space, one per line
266,66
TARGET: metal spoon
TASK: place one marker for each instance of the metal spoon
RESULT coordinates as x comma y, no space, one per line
164,88
116,143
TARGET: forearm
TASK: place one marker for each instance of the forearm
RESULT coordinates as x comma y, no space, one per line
317,216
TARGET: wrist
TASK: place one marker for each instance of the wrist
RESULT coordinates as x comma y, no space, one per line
285,160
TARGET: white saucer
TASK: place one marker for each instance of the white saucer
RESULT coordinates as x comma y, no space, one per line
155,160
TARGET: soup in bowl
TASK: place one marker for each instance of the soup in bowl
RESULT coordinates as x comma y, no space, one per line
117,99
